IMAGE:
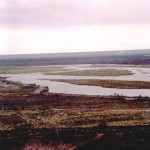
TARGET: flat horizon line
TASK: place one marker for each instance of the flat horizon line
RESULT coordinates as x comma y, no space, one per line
103,51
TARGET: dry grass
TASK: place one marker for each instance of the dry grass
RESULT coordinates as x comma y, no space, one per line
108,83
16,70
75,119
58,111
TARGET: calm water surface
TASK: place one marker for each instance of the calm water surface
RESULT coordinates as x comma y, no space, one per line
140,74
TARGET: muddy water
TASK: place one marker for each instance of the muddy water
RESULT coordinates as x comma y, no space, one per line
140,74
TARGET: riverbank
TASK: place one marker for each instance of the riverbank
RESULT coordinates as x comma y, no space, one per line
9,86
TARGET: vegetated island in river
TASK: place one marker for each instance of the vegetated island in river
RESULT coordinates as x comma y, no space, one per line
120,84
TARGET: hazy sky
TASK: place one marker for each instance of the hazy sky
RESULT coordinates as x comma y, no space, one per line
48,26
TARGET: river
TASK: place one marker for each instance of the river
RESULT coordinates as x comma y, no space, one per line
140,74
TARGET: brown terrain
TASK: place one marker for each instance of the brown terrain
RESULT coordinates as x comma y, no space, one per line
29,112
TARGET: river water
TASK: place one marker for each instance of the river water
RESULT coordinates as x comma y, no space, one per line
140,74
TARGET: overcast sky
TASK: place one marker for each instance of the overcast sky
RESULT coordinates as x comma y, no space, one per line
49,26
